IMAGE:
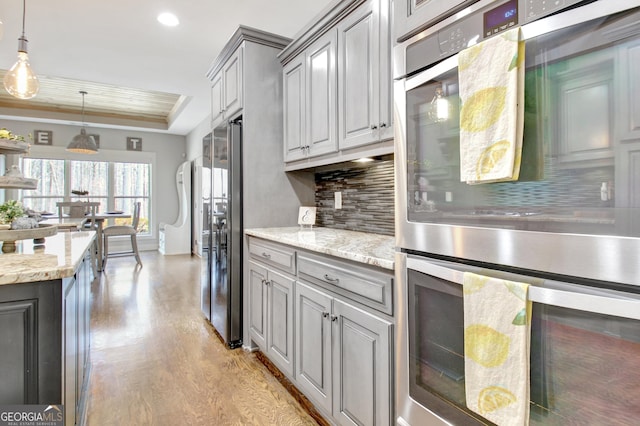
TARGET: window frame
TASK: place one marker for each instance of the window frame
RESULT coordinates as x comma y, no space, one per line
104,155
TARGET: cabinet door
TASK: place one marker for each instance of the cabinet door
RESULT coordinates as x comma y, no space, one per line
19,359
232,77
280,321
361,370
216,100
258,304
293,76
313,344
358,76
321,93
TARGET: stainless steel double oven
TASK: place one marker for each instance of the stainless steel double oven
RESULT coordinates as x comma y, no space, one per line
570,226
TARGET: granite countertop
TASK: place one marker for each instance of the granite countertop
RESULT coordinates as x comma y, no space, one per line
372,249
60,258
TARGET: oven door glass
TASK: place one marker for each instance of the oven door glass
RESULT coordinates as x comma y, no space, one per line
584,366
581,147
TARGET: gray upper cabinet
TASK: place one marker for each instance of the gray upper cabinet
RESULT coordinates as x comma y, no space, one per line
226,89
294,109
309,82
343,62
320,102
217,103
364,89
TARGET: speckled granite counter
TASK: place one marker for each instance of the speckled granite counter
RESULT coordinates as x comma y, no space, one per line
372,249
60,258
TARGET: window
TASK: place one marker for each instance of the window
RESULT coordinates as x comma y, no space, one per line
116,185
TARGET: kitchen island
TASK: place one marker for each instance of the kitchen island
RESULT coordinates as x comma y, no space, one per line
44,322
319,307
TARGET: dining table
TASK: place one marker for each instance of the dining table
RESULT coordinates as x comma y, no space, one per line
74,223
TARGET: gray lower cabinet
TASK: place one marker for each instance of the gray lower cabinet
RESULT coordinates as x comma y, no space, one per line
271,314
327,325
343,358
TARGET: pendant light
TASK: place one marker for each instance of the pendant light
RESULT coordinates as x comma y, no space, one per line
83,143
21,81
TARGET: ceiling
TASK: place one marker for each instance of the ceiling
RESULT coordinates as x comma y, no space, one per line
137,73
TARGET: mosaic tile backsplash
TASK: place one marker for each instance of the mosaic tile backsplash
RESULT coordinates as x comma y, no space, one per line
367,198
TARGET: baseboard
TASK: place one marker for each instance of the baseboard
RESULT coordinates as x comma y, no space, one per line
292,389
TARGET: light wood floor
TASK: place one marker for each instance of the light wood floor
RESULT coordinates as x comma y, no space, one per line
156,361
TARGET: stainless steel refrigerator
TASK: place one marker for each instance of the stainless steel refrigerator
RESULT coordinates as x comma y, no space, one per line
221,277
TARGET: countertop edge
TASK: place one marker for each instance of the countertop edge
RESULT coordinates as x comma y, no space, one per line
368,259
78,243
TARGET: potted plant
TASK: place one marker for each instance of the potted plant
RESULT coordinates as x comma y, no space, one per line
7,134
9,211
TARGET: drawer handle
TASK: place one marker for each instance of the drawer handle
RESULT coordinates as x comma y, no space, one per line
267,282
325,315
266,255
334,318
264,282
330,279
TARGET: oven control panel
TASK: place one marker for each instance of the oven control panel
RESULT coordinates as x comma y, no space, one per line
492,19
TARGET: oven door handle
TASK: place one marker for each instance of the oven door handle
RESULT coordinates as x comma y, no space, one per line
608,304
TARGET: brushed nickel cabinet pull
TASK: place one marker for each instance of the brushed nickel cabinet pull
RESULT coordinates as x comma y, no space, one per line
266,255
330,279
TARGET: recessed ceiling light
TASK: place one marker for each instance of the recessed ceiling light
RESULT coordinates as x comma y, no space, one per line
168,19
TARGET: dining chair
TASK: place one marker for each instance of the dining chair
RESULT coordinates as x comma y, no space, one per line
78,209
123,230
88,210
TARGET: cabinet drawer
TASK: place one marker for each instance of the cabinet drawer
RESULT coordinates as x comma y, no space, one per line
365,285
276,255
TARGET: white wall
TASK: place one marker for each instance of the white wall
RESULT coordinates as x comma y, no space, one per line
194,150
170,152
194,139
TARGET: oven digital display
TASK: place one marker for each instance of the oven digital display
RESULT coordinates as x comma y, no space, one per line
501,18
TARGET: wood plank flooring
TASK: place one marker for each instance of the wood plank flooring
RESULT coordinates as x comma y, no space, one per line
156,360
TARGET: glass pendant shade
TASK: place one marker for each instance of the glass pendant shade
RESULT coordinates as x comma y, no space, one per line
20,81
83,143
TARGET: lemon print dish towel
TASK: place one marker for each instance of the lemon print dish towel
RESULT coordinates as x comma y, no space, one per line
491,77
497,335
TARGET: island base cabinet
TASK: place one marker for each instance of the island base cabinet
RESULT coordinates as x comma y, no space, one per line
30,342
343,358
70,351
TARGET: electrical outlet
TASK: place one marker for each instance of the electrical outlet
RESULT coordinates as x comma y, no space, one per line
338,200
